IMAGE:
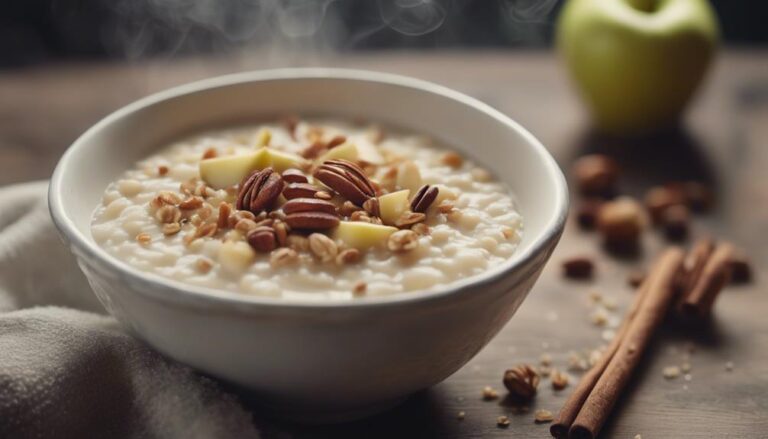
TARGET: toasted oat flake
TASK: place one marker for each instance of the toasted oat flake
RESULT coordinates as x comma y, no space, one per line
503,421
489,393
542,416
685,367
144,238
203,265
283,257
171,229
452,159
545,359
359,288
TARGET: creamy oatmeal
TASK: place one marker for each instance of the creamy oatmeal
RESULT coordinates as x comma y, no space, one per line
308,209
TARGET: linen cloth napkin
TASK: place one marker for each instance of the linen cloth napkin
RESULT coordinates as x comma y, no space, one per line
69,371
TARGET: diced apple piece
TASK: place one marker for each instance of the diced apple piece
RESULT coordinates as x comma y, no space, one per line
264,137
409,176
443,193
278,160
361,235
220,172
392,205
346,151
368,152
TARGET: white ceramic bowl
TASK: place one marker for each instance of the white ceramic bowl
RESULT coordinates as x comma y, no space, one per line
331,360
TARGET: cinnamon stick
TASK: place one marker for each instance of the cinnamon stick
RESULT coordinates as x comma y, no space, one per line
694,263
572,406
704,289
649,315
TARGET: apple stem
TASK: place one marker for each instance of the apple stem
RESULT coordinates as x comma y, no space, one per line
644,5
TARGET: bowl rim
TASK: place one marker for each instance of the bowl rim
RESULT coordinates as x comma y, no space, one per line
178,292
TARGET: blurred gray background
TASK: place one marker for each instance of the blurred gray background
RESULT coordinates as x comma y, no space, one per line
40,31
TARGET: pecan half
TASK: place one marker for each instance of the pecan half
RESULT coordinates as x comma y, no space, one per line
308,205
260,190
424,198
294,176
262,239
312,220
347,179
300,190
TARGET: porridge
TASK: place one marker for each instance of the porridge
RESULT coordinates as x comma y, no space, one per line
308,209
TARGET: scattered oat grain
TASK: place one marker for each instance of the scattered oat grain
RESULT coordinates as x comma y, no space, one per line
489,393
671,372
542,416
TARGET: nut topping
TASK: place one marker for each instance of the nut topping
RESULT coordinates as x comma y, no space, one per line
300,190
312,220
283,257
347,179
294,176
308,205
260,190
323,247
424,198
408,219
403,241
371,206
521,381
262,239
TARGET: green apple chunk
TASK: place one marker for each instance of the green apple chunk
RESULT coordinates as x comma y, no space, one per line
346,151
392,206
278,160
368,152
361,235
221,172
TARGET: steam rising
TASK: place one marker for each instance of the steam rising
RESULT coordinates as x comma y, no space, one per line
529,11
187,26
412,17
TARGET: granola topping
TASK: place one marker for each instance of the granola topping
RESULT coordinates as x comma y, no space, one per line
326,204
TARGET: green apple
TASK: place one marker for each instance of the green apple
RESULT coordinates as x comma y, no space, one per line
362,235
393,205
637,62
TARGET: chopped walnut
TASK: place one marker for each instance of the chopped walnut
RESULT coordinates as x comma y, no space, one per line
403,241
409,218
323,247
168,214
522,381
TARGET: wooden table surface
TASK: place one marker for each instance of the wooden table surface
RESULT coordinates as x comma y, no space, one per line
725,142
